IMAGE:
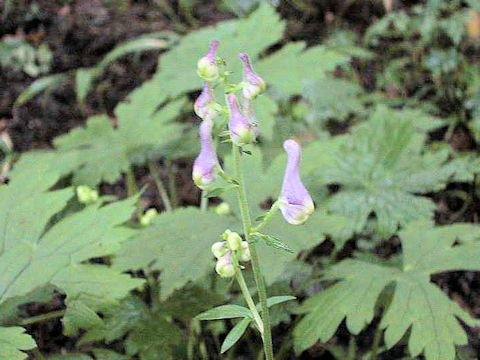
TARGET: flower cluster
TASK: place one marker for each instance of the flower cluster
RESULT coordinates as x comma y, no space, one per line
228,252
294,201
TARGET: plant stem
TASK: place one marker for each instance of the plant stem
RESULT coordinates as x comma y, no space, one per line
247,223
152,166
43,317
38,355
247,295
273,210
131,184
377,336
203,201
171,183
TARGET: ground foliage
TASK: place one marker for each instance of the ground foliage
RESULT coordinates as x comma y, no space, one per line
386,106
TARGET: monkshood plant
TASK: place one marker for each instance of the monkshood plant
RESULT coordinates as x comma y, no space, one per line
294,202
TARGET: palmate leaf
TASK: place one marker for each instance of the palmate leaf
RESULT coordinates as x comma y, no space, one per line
331,98
35,252
99,152
178,243
12,341
381,168
417,304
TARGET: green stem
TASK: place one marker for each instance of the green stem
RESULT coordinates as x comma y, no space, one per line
152,166
203,201
172,187
131,184
38,355
154,290
247,224
377,336
247,295
43,317
268,216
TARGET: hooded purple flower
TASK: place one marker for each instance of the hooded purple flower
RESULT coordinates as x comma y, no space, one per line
206,164
204,105
296,203
206,66
241,131
253,84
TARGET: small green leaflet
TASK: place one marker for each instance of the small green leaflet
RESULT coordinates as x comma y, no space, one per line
417,304
235,334
271,241
225,312
12,341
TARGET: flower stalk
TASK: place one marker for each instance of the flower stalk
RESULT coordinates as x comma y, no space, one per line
257,272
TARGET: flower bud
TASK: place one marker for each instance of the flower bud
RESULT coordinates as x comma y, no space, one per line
147,218
224,266
205,104
234,241
206,165
223,209
295,202
244,252
241,131
253,84
219,249
206,67
86,195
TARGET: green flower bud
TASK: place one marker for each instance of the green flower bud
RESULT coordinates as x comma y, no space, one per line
234,241
219,249
223,209
224,267
147,218
244,252
86,195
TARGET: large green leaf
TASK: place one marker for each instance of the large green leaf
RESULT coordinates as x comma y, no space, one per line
37,252
178,243
99,152
12,341
417,304
381,168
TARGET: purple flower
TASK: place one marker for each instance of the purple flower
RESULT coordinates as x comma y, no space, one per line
206,164
204,105
295,202
241,131
206,66
253,84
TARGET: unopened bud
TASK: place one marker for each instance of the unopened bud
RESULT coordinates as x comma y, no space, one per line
219,249
224,266
147,218
244,252
86,195
241,131
206,67
253,84
234,241
223,209
205,106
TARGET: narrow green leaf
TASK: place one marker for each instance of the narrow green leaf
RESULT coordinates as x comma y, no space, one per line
38,86
225,312
272,242
235,334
